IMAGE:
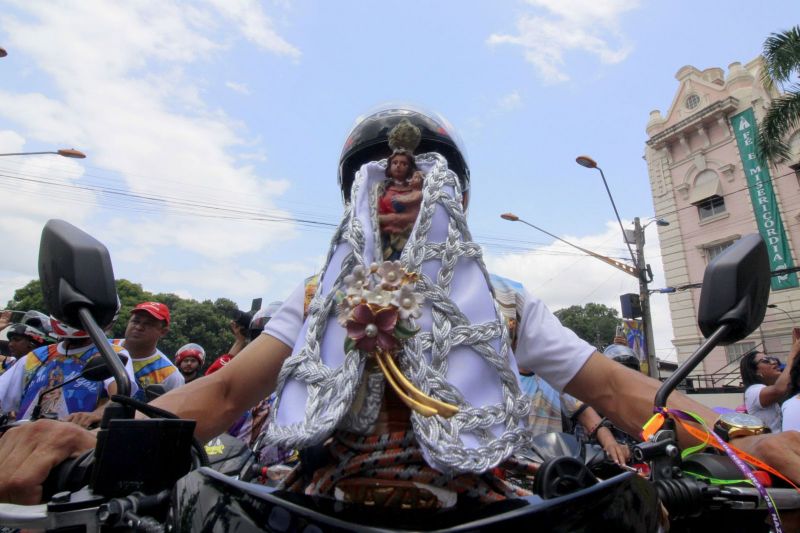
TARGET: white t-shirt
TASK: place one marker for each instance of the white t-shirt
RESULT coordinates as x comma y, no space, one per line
544,346
791,413
770,415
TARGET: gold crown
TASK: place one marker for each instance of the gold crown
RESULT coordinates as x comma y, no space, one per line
404,137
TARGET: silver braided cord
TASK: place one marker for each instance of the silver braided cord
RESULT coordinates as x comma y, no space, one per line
441,437
425,357
329,397
360,419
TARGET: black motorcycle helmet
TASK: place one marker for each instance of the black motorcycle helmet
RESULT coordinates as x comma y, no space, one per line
368,141
623,355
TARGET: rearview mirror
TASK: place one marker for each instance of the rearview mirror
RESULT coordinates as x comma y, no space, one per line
75,271
736,290
96,368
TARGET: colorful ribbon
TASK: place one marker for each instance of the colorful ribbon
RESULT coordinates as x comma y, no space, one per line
737,456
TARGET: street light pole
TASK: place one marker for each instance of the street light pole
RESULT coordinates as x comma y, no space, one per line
775,306
644,299
64,152
642,269
588,162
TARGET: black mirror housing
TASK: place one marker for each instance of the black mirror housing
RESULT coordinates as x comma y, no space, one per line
75,271
96,368
736,287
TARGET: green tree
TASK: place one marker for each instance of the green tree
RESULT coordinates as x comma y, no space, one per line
594,323
206,323
782,61
28,297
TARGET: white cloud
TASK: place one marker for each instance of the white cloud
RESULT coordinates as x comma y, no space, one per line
561,26
240,88
123,95
34,189
10,282
255,25
11,142
510,101
234,282
560,279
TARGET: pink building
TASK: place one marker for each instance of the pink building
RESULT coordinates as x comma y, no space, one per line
699,173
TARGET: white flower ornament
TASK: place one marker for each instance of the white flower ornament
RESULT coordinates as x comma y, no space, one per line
408,302
391,273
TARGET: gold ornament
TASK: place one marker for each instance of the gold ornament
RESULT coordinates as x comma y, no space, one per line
404,137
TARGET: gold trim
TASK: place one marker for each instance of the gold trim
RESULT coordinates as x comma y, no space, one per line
411,395
410,402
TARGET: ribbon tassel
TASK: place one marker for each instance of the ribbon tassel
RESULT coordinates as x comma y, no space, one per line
410,395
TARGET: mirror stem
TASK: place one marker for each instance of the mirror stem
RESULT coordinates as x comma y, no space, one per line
101,342
680,374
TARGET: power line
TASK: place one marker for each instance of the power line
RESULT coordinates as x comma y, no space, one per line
139,202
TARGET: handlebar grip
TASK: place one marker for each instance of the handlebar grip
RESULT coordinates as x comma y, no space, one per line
69,475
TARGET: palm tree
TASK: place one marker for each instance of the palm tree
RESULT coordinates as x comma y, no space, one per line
782,59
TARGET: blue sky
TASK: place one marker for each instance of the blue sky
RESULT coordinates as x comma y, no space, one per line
201,119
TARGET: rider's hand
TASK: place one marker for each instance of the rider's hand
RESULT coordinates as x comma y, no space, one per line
28,453
615,451
619,453
86,420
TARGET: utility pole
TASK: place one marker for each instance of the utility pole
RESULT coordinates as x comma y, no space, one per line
644,298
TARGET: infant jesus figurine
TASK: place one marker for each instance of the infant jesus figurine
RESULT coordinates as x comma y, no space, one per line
399,203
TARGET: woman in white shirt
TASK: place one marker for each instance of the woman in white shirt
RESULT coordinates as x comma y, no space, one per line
791,407
766,385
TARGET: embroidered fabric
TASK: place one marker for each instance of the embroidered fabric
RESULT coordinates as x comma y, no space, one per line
461,356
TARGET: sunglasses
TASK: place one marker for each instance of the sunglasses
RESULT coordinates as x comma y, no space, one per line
768,360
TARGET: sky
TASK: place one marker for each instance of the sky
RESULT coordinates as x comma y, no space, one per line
213,128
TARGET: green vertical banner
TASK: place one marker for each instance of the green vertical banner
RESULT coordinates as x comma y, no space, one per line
765,205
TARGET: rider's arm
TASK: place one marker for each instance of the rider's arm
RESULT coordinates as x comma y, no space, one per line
626,397
593,424
216,401
777,392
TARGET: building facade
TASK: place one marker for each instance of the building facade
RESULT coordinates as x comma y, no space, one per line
706,181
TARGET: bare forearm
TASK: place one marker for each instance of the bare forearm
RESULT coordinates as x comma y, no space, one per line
626,396
216,401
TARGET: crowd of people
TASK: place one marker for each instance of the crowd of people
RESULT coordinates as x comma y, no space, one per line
41,357
426,433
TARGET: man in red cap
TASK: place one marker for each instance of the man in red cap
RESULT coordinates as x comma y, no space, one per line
149,322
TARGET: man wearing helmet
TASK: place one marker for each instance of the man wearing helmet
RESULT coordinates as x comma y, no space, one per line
323,389
190,359
20,339
23,339
452,409
149,323
80,401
